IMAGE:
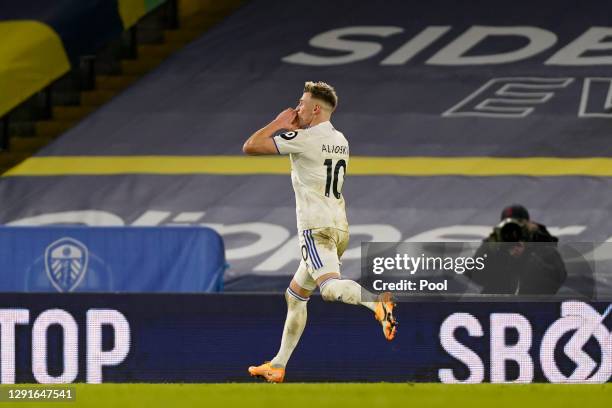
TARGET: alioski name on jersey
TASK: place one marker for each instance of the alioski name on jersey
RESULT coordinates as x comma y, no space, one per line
326,148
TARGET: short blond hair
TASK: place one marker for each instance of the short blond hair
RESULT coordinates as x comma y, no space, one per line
323,91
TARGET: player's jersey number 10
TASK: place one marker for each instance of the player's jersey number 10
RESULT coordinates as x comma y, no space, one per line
335,179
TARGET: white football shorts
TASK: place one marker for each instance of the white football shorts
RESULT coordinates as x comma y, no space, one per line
321,250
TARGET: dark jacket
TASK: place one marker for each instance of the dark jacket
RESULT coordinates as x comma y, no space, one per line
538,270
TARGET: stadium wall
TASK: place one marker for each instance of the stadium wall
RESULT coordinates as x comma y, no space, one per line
214,338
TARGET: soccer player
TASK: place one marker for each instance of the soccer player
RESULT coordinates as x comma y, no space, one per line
319,157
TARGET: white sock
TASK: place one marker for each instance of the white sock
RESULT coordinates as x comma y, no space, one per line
347,291
294,326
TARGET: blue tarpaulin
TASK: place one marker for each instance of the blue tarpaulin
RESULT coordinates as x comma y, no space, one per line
109,259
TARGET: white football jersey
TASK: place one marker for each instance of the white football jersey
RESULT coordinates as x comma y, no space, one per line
319,159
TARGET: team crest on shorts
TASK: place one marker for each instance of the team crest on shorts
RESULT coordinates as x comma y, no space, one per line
66,263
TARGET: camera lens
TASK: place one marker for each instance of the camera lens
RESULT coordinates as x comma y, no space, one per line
511,232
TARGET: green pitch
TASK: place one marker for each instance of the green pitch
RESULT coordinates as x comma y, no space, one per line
330,395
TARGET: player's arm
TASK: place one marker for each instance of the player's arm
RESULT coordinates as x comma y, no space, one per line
261,142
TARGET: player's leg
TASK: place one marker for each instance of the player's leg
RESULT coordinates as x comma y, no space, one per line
297,296
335,289
326,246
297,299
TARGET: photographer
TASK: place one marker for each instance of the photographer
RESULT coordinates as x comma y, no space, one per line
522,268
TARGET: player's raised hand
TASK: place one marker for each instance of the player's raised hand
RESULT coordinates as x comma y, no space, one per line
288,119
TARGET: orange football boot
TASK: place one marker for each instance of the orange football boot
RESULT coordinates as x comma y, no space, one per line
384,314
268,373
